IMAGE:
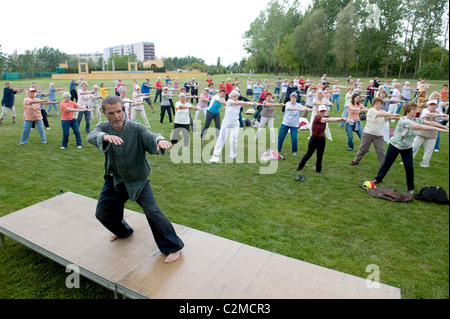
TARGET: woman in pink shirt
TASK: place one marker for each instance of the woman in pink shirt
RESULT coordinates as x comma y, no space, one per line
68,120
202,103
32,114
353,121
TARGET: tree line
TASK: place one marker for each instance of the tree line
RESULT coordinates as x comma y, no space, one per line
390,38
47,59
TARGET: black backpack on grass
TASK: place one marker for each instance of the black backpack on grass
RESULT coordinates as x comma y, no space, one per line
434,194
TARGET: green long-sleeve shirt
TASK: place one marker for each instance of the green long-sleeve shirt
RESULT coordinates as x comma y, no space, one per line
127,162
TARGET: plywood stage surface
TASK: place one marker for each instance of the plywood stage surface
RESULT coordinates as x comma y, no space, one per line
65,230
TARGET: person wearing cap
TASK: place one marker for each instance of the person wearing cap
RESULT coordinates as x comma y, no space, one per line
317,140
428,138
32,114
41,95
402,141
290,122
165,105
8,101
320,100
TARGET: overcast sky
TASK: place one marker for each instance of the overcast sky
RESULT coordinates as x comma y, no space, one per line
205,29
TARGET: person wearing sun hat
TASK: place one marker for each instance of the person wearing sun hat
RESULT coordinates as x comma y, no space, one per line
32,114
427,138
317,140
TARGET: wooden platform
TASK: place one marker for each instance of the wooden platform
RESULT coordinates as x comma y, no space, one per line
65,230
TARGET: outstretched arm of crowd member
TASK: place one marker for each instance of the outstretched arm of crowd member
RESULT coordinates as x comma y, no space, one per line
333,119
429,126
273,104
36,101
301,108
243,103
390,116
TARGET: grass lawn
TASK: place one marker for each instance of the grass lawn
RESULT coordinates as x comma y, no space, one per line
328,220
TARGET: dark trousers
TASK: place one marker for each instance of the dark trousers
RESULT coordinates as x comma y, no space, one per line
44,119
194,92
209,117
315,144
407,158
158,93
180,128
165,108
73,95
110,208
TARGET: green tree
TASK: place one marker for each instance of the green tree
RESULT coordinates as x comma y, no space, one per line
344,45
308,40
268,30
285,55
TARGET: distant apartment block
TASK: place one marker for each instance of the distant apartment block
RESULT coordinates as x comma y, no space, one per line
84,57
144,51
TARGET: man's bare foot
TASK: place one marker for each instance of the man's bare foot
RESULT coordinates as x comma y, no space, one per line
173,257
113,237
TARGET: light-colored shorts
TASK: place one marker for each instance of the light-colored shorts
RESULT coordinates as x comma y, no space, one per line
5,111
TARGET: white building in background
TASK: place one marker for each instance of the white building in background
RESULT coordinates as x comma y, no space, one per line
144,51
84,57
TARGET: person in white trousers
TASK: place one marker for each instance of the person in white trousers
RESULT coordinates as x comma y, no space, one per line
427,138
230,126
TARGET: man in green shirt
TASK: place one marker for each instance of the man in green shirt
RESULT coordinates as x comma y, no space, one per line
125,144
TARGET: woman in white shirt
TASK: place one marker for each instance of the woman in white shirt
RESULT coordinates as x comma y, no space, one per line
230,125
182,120
138,106
84,97
373,132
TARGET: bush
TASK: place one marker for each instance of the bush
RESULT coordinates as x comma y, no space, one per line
431,71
